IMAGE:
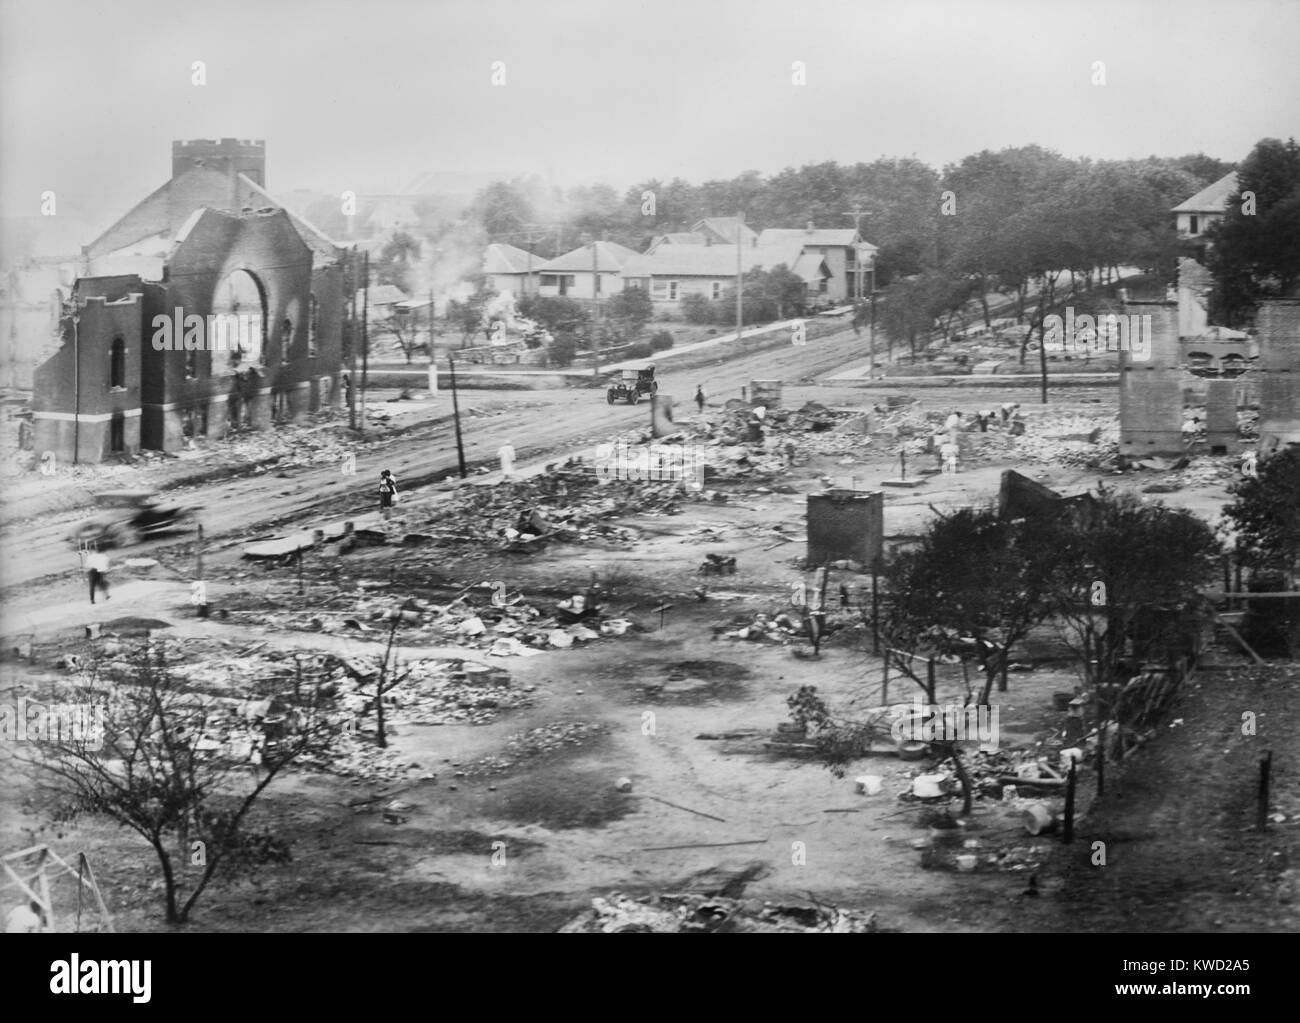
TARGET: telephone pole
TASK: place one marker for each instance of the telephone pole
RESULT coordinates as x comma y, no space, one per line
455,411
595,309
740,277
365,335
857,215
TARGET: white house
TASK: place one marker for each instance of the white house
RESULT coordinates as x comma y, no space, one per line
585,275
1206,207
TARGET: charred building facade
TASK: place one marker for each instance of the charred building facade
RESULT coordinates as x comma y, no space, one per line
207,308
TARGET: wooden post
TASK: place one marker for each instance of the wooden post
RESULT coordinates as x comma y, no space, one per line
929,679
43,886
1237,560
884,689
1068,835
455,412
198,573
1101,760
1265,770
875,610
99,898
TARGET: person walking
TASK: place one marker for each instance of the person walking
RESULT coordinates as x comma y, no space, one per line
506,453
387,492
97,567
948,453
699,397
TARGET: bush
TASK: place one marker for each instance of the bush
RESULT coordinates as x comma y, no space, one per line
661,342
698,309
563,351
640,350
1272,627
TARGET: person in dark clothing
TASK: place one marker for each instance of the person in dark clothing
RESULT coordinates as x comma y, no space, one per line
699,397
387,491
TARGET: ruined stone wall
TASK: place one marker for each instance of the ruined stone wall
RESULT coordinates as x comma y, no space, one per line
1151,392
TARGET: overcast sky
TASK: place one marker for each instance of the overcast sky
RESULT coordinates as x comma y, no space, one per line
365,96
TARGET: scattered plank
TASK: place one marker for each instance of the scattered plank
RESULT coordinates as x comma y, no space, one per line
1051,783
1241,642
678,806
702,845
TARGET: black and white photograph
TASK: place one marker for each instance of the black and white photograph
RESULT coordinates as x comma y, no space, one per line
684,467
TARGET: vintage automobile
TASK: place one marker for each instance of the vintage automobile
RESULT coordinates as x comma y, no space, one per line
632,384
128,517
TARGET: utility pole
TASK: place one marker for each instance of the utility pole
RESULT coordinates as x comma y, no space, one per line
740,277
76,378
198,573
595,311
455,411
352,341
365,335
857,215
433,362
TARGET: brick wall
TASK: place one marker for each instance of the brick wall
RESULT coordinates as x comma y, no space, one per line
1151,392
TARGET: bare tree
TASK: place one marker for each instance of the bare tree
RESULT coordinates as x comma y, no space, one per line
155,768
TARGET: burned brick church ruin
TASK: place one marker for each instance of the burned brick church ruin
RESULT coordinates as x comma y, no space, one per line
206,308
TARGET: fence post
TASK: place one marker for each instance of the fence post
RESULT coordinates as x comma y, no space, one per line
1068,836
1265,770
1101,760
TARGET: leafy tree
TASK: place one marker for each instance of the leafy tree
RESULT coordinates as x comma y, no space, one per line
504,209
153,775
563,350
1131,556
628,311
972,575
561,316
698,310
469,315
1266,515
1255,252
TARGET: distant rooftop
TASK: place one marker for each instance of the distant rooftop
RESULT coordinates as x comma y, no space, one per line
1212,198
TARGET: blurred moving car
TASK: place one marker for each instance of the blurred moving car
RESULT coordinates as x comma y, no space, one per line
130,516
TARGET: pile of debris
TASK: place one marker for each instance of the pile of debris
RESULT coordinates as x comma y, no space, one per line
570,505
431,691
486,618
1070,439
687,913
538,741
783,627
288,447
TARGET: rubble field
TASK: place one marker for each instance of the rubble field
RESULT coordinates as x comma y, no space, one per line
589,728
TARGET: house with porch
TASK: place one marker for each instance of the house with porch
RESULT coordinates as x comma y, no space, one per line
847,256
672,272
585,274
